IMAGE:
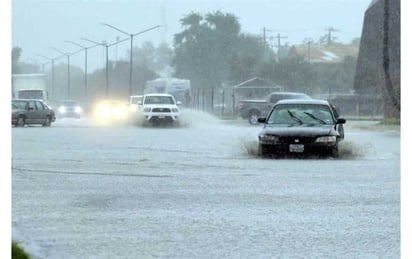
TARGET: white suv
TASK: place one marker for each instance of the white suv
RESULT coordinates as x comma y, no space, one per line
160,108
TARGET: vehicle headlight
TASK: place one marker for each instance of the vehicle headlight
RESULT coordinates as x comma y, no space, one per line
121,111
62,109
78,109
175,110
326,139
268,138
147,109
103,111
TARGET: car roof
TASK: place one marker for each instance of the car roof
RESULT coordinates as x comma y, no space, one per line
160,94
303,101
26,100
288,93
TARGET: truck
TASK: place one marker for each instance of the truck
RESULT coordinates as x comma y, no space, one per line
179,88
253,109
29,86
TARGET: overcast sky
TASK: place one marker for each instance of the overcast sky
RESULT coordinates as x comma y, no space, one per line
38,25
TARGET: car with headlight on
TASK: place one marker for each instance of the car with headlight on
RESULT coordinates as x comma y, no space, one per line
110,110
69,109
297,127
30,111
160,109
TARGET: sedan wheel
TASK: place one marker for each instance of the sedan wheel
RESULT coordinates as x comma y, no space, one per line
47,123
20,121
335,152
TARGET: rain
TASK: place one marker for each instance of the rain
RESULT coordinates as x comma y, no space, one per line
179,172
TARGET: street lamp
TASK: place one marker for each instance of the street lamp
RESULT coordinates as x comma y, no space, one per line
85,60
131,35
104,44
68,69
52,62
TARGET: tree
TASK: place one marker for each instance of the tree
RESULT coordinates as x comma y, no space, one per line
15,54
248,60
211,50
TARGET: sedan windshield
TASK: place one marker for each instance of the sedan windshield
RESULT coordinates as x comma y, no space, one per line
301,114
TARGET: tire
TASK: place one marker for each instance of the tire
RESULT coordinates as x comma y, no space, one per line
262,152
47,122
335,152
253,117
20,121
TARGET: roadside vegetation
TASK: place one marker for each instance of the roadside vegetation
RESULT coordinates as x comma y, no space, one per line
17,252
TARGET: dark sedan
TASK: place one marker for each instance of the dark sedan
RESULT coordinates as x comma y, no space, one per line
296,127
27,112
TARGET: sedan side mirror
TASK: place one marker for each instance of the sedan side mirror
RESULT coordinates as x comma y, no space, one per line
261,120
341,121
178,103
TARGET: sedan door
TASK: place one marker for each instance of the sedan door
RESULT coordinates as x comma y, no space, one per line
41,113
32,116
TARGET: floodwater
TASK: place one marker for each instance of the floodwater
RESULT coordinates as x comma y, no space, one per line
82,190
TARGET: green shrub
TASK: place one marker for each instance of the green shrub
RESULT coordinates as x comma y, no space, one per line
17,252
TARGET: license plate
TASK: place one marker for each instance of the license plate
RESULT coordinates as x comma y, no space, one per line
296,148
161,117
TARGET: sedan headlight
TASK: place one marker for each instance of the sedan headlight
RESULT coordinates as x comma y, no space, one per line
326,139
62,109
147,109
78,109
175,110
268,138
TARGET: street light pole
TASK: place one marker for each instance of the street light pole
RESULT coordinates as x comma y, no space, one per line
131,35
107,62
68,69
52,61
85,61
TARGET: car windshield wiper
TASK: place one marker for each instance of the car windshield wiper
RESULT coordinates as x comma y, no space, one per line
315,118
293,116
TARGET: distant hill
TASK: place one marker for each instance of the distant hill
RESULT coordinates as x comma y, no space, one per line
328,53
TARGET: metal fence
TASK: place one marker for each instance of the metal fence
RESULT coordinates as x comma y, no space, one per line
224,103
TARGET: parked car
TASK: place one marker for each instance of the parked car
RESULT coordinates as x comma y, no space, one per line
69,109
253,109
301,127
160,109
29,111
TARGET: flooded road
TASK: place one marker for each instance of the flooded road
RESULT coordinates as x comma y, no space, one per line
82,190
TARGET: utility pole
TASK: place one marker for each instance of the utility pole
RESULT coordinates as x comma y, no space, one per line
279,37
330,30
265,44
264,36
309,42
